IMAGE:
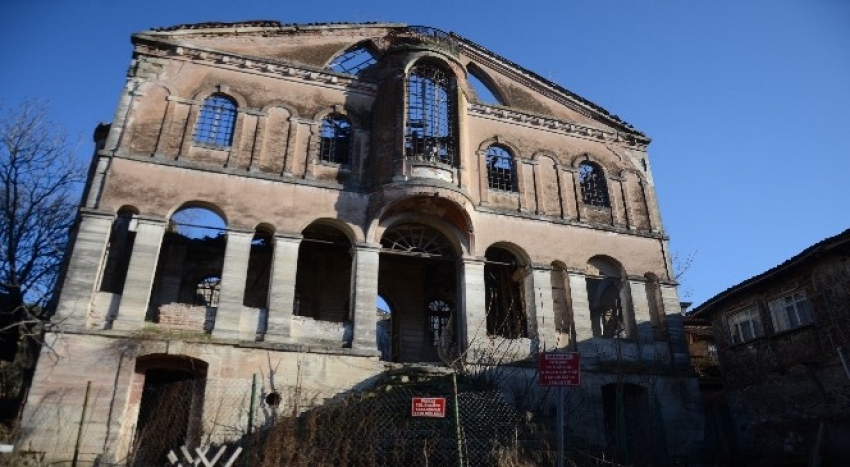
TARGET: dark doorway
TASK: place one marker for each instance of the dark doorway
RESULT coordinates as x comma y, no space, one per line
418,275
630,424
169,411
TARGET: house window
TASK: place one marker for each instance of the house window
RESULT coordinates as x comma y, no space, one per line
745,325
439,313
500,169
335,140
353,61
790,311
594,190
430,115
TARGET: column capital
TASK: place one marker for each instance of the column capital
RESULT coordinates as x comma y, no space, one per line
89,212
473,259
148,219
287,237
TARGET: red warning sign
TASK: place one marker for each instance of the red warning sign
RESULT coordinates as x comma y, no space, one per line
428,407
559,369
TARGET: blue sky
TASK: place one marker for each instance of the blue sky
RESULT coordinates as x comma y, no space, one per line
747,102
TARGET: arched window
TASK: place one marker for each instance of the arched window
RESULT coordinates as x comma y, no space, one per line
353,61
485,92
594,190
500,169
504,299
431,104
216,121
335,145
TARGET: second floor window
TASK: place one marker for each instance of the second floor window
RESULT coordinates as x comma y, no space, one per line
790,311
594,189
216,121
500,169
744,325
430,130
335,145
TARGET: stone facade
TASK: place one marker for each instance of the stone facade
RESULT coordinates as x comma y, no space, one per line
351,165
779,338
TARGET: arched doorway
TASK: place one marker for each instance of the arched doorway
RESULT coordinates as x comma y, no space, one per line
418,275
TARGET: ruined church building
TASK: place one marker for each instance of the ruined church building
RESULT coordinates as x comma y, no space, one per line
263,188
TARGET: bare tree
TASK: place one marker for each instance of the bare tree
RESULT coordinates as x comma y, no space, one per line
40,181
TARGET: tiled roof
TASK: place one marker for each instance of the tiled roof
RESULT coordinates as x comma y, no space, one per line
811,252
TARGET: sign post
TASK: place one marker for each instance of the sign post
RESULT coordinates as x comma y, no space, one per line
559,369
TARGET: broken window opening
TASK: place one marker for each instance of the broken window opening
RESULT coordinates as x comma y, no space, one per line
431,121
504,300
207,292
335,140
594,189
216,122
500,169
484,92
606,310
190,261
259,270
353,61
323,275
121,240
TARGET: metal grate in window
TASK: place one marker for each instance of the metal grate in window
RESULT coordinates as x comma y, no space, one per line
335,143
594,190
216,122
353,61
207,291
416,238
500,169
430,130
439,313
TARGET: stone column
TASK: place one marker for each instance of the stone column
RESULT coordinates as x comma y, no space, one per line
543,334
581,310
473,296
86,261
365,295
282,293
228,315
140,273
640,304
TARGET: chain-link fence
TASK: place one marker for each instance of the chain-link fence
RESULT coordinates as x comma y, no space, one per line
181,420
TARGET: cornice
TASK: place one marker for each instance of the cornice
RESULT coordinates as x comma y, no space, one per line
553,125
272,68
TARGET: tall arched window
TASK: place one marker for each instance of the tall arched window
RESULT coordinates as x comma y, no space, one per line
594,190
335,145
216,121
500,169
353,60
431,121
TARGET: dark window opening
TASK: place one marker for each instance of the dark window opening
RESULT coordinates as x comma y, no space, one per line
353,61
504,300
259,270
121,240
323,275
216,121
594,189
431,109
606,310
335,140
500,169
